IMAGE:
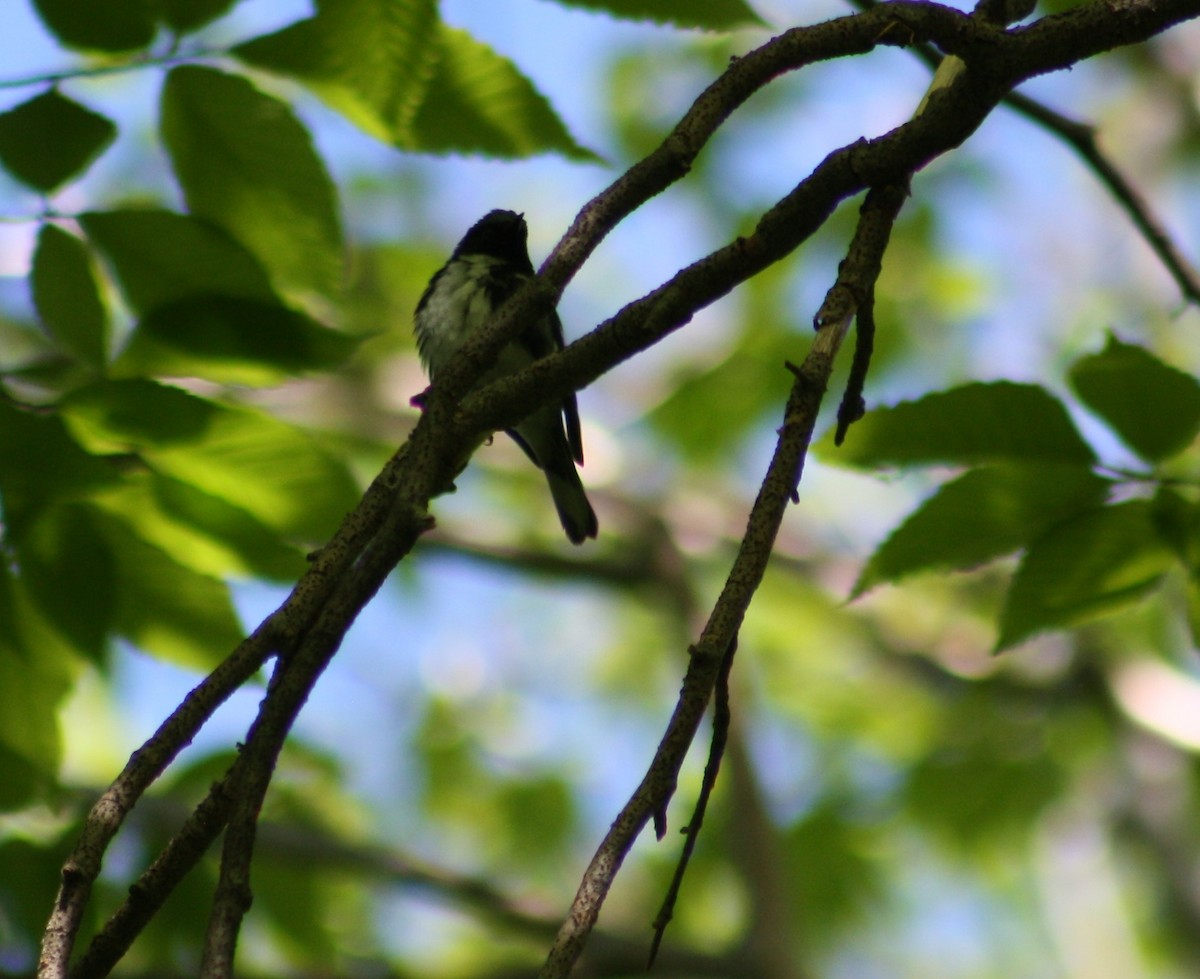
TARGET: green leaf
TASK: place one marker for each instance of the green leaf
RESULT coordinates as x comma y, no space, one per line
198,530
190,15
208,309
67,297
67,565
111,25
50,139
984,514
1098,562
160,257
231,341
747,384
968,425
246,163
479,102
35,675
371,60
40,465
273,471
713,15
165,608
1153,407
991,775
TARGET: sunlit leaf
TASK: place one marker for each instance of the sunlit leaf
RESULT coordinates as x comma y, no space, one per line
969,425
984,514
50,139
369,59
246,163
1151,405
67,297
201,531
479,102
1103,560
274,471
164,607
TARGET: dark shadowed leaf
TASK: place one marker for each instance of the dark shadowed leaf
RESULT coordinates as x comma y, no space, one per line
36,670
1151,405
232,341
1100,561
968,425
984,514
190,15
67,565
67,297
40,464
160,257
246,163
107,25
715,15
50,139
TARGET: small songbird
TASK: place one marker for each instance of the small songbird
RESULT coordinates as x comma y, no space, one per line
486,268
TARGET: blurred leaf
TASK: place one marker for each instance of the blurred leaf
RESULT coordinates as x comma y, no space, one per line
479,102
539,815
715,15
231,341
991,776
984,514
1177,521
967,425
246,163
30,872
160,257
1096,563
371,60
1152,406
255,462
68,567
165,608
190,15
67,297
50,139
40,464
747,384
112,25
204,533
828,855
35,675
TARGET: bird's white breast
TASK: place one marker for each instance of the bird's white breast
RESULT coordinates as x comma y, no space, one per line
456,308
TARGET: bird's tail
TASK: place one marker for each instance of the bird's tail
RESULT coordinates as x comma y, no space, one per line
574,509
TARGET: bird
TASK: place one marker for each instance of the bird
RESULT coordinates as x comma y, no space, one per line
487,266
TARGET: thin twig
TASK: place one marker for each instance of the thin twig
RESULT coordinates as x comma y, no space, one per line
115,68
716,751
